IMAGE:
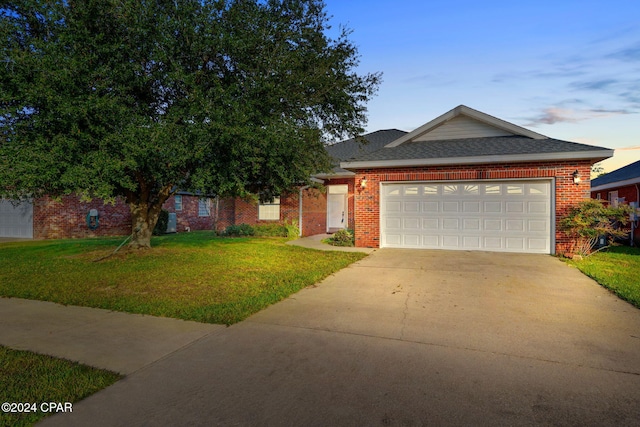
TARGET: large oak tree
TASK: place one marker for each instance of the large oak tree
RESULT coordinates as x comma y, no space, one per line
139,98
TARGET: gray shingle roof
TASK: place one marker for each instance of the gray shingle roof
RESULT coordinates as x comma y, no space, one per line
351,148
476,147
623,174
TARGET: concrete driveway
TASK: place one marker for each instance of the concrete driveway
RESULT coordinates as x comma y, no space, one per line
404,337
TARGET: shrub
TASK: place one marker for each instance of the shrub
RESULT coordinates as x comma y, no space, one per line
342,238
161,225
239,230
590,220
286,229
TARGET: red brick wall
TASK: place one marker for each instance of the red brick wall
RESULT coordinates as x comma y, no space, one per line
628,192
314,212
66,218
187,218
367,200
242,211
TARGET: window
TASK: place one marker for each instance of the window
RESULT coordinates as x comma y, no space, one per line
269,211
613,198
178,200
204,207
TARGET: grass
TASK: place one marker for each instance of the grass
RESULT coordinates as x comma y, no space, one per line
617,269
35,378
191,276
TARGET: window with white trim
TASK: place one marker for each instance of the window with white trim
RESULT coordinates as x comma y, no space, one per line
613,198
269,211
178,200
204,207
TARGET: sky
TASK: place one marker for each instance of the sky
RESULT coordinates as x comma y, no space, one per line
567,69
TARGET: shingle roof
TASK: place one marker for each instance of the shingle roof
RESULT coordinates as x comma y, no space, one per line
625,173
476,147
352,148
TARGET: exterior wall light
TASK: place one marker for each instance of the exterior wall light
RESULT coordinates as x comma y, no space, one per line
577,178
363,183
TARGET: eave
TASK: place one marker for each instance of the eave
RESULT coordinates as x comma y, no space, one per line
510,158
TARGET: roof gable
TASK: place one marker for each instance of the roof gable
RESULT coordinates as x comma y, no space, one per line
464,122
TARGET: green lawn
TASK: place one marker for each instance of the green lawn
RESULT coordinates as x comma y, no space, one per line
192,276
27,377
617,269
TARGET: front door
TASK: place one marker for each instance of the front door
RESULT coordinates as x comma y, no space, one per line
336,211
337,215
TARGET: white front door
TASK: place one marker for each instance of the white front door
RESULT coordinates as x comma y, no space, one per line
337,215
336,211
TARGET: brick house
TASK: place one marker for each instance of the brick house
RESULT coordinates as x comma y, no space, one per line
464,181
470,181
620,186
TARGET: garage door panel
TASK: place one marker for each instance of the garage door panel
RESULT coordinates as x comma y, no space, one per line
471,207
471,242
393,222
514,225
492,243
497,216
450,206
538,207
515,243
493,207
392,239
430,207
471,224
537,244
537,226
450,241
514,207
411,207
393,206
430,224
450,223
411,224
430,241
493,225
412,240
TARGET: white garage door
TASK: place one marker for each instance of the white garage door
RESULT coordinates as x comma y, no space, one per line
16,221
506,216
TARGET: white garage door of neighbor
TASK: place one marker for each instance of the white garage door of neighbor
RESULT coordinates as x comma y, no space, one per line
16,221
504,216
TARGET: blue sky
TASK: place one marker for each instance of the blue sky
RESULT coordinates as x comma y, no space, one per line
567,69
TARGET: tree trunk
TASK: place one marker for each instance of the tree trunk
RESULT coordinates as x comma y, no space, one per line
142,224
144,216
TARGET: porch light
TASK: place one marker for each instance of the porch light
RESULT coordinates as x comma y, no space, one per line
363,183
577,178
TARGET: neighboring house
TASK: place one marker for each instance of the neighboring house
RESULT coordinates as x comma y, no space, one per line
465,180
621,185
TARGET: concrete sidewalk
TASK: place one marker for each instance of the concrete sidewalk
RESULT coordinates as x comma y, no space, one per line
119,342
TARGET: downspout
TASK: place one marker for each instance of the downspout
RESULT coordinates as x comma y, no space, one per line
300,209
